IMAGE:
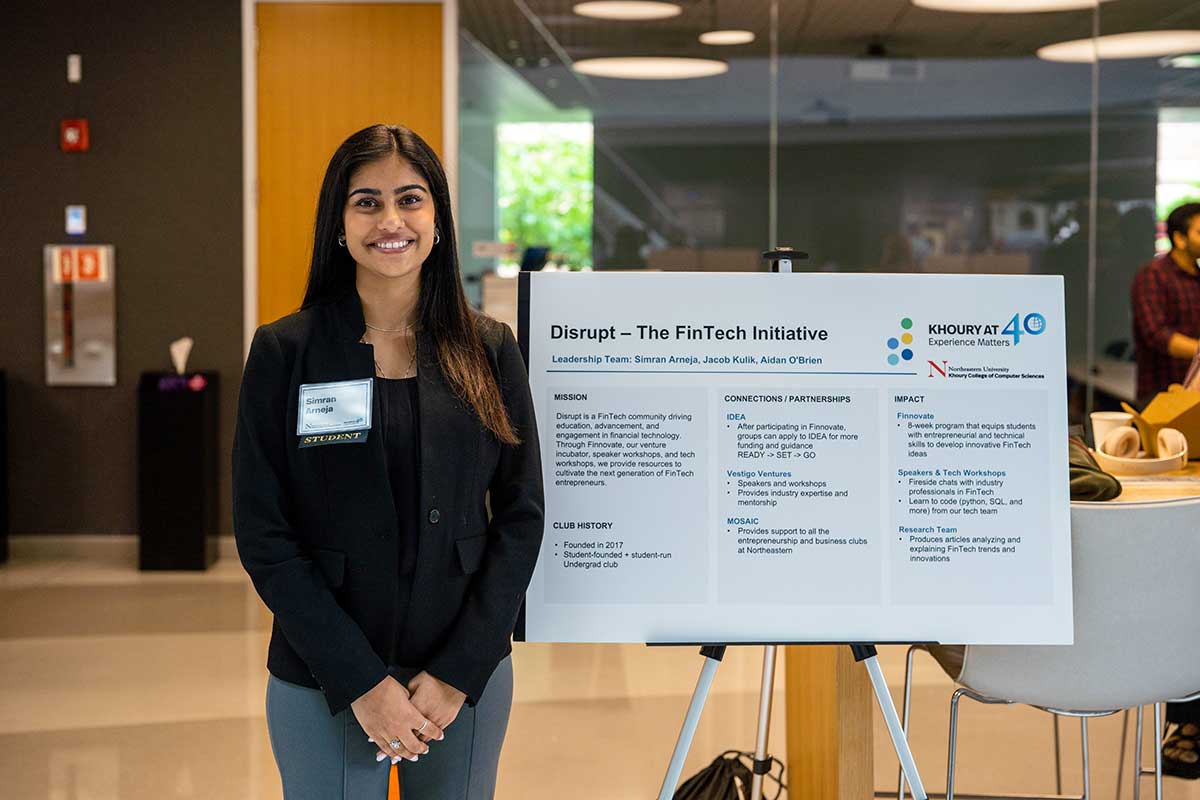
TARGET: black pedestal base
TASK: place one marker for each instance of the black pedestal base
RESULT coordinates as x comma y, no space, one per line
177,470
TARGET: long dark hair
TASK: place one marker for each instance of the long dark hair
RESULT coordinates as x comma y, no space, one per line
443,313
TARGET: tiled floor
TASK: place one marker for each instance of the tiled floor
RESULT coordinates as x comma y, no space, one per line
118,684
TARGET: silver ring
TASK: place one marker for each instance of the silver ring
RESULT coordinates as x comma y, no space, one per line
423,724
395,744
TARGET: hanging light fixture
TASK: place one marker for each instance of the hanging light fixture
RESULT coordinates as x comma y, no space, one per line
651,68
1140,44
727,37
716,35
628,9
1006,6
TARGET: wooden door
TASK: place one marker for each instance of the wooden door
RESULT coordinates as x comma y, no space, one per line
325,71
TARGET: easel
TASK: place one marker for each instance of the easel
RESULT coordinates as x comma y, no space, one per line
781,261
713,654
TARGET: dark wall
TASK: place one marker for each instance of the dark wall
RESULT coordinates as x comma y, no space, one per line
162,92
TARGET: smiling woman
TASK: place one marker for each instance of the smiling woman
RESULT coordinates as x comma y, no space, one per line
420,292
388,227
391,223
382,649
389,233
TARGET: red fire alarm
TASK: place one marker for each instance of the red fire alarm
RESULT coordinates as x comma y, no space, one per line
74,136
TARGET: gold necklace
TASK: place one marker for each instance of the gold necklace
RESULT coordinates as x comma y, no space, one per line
405,329
379,372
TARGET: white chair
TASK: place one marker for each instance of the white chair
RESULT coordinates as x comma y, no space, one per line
1135,565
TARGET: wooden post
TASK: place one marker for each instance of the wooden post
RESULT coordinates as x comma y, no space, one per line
829,702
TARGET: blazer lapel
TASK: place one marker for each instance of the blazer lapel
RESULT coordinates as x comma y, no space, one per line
449,435
358,470
433,397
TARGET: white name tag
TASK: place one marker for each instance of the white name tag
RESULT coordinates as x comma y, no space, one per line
334,413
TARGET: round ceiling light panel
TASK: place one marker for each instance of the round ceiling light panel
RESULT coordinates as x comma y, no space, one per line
628,9
727,37
1142,44
651,68
1006,6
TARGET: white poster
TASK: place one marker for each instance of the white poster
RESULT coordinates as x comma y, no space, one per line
772,458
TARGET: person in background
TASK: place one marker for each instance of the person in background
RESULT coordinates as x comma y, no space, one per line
1166,307
1166,325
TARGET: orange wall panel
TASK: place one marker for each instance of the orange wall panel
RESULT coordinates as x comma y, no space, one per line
325,71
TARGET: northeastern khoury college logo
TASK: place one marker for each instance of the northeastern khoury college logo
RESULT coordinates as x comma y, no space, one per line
980,337
900,346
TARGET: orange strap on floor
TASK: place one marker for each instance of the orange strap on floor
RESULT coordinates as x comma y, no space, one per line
394,783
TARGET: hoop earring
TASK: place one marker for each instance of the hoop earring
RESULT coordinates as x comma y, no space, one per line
436,237
342,239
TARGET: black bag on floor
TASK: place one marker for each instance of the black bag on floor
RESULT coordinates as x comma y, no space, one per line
728,777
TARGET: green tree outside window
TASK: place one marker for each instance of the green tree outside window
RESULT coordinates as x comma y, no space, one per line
544,182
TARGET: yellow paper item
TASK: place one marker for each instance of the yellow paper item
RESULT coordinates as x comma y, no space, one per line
1177,408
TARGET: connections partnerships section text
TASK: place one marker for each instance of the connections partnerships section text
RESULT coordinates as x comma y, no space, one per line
788,458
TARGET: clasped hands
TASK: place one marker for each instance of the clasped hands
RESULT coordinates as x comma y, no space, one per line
390,712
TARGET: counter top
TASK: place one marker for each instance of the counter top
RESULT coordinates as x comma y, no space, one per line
1174,485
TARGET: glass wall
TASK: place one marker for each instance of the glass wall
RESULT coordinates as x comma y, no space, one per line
1144,168
876,135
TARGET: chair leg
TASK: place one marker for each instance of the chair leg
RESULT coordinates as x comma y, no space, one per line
908,671
1137,755
1057,758
953,750
1158,741
1121,751
1087,773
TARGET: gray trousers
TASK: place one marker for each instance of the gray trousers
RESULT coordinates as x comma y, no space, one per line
323,757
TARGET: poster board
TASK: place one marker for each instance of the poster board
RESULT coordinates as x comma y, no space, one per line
763,458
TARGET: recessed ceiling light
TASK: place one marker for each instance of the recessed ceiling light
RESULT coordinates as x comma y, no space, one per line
1142,44
651,68
628,9
1006,6
727,37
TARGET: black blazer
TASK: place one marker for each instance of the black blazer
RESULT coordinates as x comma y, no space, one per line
317,528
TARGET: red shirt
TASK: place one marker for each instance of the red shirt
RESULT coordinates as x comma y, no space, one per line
1166,300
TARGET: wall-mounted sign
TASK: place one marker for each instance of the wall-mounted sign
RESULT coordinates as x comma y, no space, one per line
81,263
80,315
76,220
74,137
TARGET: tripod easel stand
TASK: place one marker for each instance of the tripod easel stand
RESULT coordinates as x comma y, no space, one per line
713,654
781,261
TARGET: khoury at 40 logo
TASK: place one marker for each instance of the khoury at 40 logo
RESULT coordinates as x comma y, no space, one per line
1033,324
987,335
904,340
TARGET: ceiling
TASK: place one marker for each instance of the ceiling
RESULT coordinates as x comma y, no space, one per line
510,29
972,66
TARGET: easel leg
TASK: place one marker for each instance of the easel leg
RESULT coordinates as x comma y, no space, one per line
867,654
712,658
1158,740
762,761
